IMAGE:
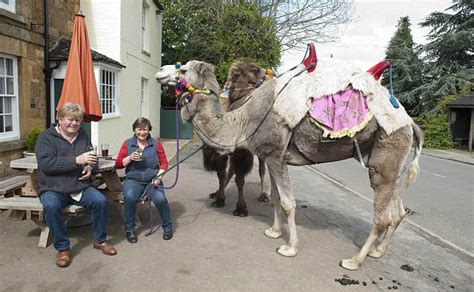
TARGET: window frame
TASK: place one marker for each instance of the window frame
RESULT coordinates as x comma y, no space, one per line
9,7
115,100
143,94
15,134
144,28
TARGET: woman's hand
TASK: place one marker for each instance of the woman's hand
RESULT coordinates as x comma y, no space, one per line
135,156
156,181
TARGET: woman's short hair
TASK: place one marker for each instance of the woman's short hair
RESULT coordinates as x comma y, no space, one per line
141,122
71,109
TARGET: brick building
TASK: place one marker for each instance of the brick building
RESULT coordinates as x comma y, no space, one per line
22,58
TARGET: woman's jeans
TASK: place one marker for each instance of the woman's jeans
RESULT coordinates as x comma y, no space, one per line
132,190
53,204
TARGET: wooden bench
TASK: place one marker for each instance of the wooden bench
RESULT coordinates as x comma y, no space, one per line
34,212
12,185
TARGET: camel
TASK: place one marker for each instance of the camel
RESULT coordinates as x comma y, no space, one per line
241,161
256,127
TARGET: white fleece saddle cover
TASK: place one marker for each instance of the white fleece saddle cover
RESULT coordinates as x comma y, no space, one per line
294,93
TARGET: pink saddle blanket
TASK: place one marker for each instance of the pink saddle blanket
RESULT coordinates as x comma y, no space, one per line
343,113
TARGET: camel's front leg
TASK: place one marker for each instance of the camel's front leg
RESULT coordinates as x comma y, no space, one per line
264,197
279,173
219,195
275,230
241,206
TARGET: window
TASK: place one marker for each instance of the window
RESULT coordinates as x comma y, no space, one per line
108,92
8,5
9,117
143,95
144,27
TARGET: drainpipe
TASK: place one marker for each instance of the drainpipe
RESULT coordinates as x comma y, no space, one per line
47,69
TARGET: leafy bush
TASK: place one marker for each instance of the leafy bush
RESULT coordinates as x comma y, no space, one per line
30,140
437,132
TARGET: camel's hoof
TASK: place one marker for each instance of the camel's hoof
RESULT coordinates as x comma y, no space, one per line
376,253
213,195
272,234
218,203
287,251
263,197
349,264
241,212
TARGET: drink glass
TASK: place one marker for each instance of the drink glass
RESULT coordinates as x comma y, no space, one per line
105,150
92,148
139,151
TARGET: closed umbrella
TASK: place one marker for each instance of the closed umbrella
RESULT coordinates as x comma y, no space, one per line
79,84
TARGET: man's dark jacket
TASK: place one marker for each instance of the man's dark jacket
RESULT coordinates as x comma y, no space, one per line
57,168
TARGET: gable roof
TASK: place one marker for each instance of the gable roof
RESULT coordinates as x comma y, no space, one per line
463,102
60,52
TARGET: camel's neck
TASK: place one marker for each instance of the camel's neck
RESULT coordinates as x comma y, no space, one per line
218,129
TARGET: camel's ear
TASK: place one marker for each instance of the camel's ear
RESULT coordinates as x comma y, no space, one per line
202,67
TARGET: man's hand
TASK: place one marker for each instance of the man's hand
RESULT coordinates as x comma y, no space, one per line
86,158
86,173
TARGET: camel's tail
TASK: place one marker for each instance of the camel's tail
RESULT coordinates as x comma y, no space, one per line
414,166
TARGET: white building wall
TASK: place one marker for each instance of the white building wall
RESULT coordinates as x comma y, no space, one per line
115,31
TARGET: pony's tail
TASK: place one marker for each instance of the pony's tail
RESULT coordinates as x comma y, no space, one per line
414,168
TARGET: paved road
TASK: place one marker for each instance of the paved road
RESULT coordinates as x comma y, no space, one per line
442,197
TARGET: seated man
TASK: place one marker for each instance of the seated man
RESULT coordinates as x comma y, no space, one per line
65,164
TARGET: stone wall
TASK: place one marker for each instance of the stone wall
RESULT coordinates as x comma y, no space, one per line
21,35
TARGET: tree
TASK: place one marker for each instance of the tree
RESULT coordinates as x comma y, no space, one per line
218,33
406,66
299,22
449,54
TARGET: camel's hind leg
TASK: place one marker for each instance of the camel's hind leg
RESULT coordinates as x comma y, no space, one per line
385,165
280,178
397,214
264,197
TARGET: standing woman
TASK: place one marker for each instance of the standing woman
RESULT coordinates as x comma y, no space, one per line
144,159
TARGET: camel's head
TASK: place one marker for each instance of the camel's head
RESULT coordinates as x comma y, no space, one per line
243,77
167,75
195,81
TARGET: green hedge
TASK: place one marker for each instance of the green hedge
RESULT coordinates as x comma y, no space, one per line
436,129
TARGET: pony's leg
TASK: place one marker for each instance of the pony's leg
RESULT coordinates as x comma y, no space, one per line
279,172
275,230
219,195
261,171
241,206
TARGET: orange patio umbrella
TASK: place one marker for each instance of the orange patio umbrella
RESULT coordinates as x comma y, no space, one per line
79,84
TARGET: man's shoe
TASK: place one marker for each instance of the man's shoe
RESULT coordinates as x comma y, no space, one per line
105,248
63,258
131,237
167,235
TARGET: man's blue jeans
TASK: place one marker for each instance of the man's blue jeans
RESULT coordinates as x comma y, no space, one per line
53,204
132,190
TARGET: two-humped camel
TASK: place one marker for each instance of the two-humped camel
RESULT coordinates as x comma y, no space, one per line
255,126
244,78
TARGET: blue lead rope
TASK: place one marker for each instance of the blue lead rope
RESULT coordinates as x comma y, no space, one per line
393,99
